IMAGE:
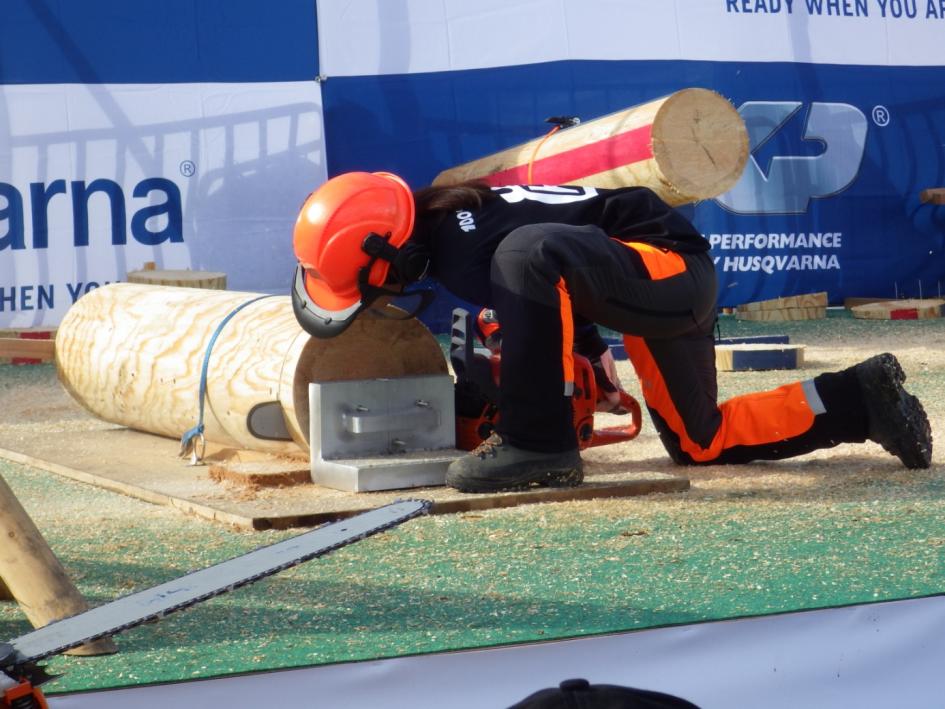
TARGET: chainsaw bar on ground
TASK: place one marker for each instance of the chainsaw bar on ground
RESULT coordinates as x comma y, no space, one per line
154,603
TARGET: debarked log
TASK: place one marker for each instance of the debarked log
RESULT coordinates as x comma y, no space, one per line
688,146
132,354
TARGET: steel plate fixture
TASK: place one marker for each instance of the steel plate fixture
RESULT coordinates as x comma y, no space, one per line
382,434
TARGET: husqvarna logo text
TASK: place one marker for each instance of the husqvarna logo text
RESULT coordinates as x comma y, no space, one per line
788,183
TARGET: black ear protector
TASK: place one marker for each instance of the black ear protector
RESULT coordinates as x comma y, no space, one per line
410,263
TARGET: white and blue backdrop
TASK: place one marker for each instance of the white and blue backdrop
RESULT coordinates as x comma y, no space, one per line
188,132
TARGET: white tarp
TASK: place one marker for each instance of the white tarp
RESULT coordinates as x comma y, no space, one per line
883,655
368,37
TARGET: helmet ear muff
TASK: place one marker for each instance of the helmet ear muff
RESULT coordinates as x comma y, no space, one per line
412,263
408,264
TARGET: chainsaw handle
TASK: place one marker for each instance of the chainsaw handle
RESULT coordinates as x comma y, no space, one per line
616,434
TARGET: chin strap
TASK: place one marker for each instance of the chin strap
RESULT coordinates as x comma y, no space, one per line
369,294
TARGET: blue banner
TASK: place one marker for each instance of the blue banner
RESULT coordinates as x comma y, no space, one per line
829,200
129,41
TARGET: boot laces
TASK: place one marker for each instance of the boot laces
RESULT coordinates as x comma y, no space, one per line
487,449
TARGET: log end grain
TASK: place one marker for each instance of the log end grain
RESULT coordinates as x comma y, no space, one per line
700,143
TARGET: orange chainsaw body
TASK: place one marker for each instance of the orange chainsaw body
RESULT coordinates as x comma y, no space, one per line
24,695
476,398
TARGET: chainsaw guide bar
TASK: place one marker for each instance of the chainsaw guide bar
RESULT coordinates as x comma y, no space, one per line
154,603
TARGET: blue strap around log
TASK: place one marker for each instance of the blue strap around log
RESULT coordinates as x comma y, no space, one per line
188,442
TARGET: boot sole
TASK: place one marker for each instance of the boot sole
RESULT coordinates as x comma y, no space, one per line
897,420
567,477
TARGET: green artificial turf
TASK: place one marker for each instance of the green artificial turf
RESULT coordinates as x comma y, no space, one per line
473,580
859,530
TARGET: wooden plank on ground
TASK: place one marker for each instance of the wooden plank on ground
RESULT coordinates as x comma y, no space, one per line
912,309
145,466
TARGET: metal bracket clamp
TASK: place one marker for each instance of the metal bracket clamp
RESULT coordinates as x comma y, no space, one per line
382,434
363,420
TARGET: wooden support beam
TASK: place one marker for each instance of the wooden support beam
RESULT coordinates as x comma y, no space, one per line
33,575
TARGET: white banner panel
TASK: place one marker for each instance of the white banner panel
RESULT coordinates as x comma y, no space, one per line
96,180
876,656
368,37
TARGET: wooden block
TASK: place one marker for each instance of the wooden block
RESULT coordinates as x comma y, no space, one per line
850,303
757,357
783,315
933,195
809,300
19,346
184,279
901,310
16,348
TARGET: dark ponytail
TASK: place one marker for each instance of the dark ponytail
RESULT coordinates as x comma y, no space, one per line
449,198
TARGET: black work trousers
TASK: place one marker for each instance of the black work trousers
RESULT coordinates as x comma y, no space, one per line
545,276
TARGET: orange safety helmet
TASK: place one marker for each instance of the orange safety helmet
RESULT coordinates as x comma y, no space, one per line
349,235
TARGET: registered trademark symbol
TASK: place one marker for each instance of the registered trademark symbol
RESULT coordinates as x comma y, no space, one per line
188,168
881,116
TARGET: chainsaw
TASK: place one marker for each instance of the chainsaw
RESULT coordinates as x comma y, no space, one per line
20,675
476,367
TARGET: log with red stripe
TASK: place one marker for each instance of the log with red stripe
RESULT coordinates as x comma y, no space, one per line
910,309
688,146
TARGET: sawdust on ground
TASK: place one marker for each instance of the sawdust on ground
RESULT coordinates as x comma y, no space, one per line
32,401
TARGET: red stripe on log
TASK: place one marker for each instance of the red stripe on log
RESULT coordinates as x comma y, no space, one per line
607,154
905,314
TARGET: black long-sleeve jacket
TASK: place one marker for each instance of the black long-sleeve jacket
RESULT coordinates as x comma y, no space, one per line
462,243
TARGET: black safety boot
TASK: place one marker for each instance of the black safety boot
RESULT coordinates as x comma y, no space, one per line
897,420
495,465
